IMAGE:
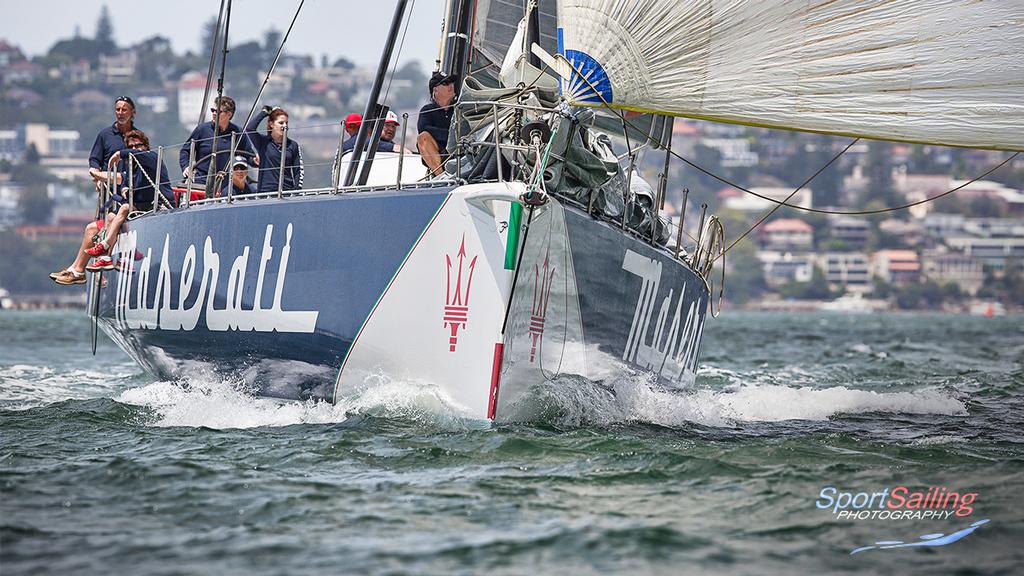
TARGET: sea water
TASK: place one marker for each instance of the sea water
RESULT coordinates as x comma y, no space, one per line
104,470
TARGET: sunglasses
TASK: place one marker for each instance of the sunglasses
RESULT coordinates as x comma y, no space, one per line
135,144
244,168
214,110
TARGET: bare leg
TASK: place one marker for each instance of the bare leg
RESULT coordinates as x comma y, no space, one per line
114,225
79,264
429,152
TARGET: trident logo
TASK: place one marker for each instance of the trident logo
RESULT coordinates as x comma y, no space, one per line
456,310
541,280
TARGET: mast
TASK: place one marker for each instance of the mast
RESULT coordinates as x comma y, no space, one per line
371,119
457,46
533,33
212,181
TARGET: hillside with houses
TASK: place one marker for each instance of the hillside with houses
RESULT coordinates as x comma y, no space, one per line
964,249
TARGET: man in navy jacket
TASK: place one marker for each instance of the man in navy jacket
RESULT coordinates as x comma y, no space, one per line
203,136
111,138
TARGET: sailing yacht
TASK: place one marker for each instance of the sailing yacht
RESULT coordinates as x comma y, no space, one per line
540,253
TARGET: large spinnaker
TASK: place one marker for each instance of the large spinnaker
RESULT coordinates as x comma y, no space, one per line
947,72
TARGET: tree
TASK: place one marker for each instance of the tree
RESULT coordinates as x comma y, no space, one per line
32,155
879,171
77,49
208,37
271,43
985,207
247,55
816,289
35,204
105,32
26,263
826,185
745,277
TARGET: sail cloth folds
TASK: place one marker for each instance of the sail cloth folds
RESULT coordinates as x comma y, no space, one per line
948,72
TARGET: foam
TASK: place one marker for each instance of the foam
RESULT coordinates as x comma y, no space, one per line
220,404
568,401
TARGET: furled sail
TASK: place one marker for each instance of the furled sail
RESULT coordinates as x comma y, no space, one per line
947,72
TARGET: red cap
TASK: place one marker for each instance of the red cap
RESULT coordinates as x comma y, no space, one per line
353,120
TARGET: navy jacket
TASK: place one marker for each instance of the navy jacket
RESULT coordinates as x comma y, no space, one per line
143,179
382,146
108,141
270,159
203,137
236,191
437,121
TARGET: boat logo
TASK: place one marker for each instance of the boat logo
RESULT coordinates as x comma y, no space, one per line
541,294
456,309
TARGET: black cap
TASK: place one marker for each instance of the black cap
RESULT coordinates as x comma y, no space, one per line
439,78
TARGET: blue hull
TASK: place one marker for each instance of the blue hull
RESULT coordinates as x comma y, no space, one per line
343,250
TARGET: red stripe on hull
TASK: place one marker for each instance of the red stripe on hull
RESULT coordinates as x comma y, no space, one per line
492,403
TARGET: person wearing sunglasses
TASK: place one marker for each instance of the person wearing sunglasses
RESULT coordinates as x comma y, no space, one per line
240,182
435,121
101,235
220,123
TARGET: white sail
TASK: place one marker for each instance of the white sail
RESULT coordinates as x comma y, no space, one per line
947,72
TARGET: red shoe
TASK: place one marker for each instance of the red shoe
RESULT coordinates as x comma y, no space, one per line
100,264
100,249
125,266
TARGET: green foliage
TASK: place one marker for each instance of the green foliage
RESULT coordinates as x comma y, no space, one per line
105,32
78,49
816,289
745,277
35,205
27,265
879,172
882,289
32,155
986,207
928,294
207,37
271,42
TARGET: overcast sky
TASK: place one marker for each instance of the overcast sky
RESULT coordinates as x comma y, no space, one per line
355,29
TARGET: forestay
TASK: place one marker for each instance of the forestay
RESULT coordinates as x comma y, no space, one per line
929,71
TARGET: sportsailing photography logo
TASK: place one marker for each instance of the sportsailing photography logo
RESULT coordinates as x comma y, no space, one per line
899,503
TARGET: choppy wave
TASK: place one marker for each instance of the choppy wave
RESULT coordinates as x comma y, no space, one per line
575,401
25,386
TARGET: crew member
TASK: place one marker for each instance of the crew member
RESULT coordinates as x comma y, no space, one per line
435,121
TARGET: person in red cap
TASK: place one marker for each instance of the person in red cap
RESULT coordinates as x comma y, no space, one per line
352,123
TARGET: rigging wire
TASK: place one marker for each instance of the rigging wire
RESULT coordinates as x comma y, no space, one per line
398,53
213,62
791,194
273,66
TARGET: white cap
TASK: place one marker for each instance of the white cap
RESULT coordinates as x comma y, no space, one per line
392,117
